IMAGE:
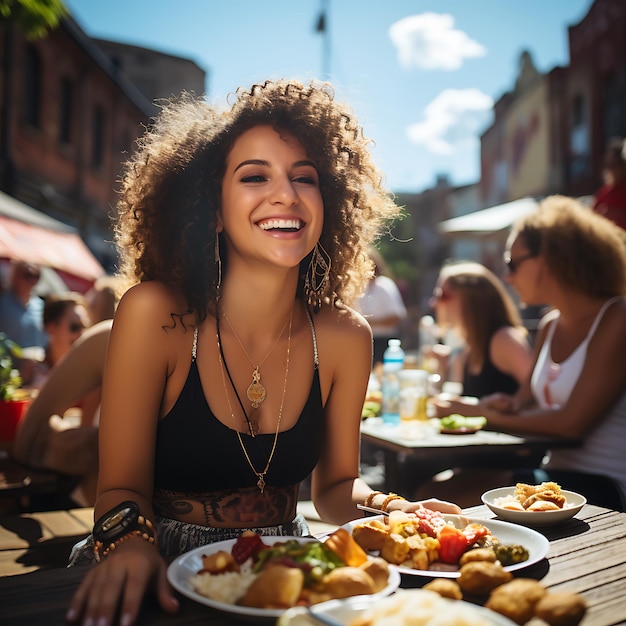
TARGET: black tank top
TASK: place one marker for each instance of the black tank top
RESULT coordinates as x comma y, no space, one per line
489,380
195,452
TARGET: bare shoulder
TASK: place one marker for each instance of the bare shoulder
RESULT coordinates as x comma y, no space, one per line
613,323
153,302
508,335
342,323
341,332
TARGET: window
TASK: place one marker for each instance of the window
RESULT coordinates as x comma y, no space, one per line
65,111
32,87
97,152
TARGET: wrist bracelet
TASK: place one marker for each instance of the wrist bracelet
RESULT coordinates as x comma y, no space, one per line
388,499
371,496
146,532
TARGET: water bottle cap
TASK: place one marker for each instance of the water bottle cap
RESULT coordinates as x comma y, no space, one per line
393,343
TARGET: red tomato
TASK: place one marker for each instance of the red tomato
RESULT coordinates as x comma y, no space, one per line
247,547
452,544
473,532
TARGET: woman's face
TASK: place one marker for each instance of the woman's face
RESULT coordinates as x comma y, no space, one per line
63,333
272,209
446,304
523,268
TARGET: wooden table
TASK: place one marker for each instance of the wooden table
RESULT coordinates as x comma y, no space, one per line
427,452
586,556
19,483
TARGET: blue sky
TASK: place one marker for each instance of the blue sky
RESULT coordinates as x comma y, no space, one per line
422,75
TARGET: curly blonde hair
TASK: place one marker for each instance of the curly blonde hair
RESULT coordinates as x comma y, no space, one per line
167,211
584,251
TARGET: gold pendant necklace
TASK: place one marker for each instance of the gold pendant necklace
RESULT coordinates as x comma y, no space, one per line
260,475
255,392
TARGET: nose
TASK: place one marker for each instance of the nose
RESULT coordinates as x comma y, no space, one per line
283,192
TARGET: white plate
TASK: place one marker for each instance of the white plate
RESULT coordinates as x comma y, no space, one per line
345,611
187,565
536,544
574,502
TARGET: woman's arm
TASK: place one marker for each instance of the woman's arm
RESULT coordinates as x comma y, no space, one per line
511,353
78,373
345,351
599,387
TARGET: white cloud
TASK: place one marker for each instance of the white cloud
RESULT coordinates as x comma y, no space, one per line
429,41
453,119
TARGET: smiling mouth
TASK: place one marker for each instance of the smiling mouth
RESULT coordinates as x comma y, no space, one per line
288,226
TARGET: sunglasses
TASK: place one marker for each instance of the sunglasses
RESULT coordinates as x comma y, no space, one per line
514,264
441,295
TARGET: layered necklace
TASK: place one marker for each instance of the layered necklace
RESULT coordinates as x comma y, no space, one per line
256,391
252,428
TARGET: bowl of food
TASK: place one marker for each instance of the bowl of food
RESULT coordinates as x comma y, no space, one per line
534,505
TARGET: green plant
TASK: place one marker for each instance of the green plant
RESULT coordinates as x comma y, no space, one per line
10,379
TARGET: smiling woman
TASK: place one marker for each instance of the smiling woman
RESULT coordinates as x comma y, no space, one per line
236,367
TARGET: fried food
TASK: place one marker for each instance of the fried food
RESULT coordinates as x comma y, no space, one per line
478,554
550,491
543,505
445,587
561,609
395,549
342,543
276,587
344,582
370,535
516,599
481,577
378,569
219,562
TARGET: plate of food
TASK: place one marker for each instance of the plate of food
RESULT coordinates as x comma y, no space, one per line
459,424
534,505
400,608
429,543
234,576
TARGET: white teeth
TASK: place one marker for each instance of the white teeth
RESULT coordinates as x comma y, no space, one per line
281,224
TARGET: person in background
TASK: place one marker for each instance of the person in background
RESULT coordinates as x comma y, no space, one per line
235,366
20,310
570,258
382,306
102,298
472,301
48,438
610,199
64,319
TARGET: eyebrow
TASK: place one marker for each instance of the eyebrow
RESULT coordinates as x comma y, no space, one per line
266,163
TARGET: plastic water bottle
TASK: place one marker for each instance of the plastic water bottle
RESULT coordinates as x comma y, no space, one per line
393,362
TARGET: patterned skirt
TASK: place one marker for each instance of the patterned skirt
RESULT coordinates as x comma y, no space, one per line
175,537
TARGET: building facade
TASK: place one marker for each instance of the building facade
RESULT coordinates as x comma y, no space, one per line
69,117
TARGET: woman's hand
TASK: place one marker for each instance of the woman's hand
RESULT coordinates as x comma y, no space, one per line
499,402
122,580
433,504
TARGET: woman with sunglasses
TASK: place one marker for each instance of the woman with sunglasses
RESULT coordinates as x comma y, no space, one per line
470,300
573,260
65,317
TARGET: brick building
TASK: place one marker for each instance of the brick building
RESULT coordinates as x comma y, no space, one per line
69,114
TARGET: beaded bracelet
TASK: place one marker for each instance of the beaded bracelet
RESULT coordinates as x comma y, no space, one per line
146,533
371,496
388,499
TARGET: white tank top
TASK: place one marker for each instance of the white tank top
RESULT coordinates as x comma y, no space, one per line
552,383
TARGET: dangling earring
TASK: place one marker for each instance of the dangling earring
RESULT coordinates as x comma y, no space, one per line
218,265
317,276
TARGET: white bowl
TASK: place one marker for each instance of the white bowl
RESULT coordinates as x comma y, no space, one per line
574,502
